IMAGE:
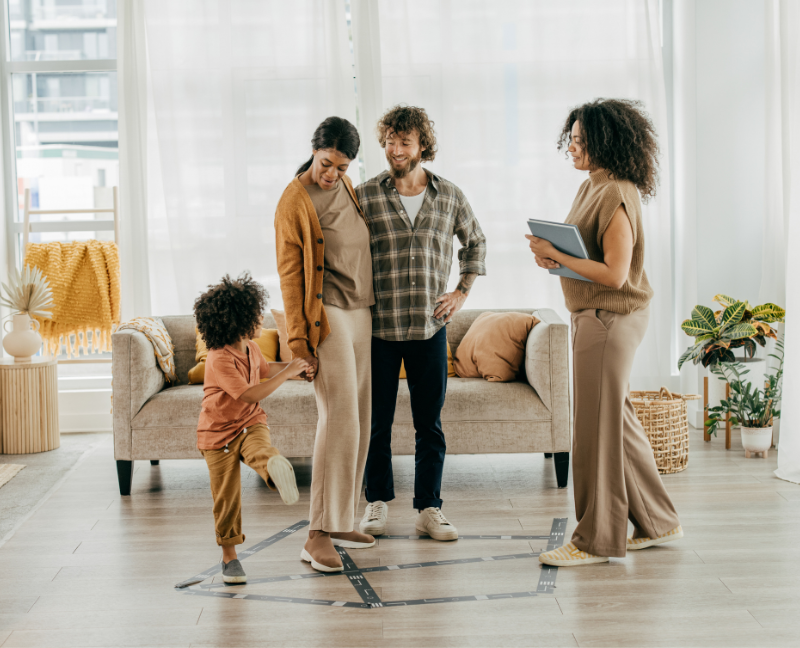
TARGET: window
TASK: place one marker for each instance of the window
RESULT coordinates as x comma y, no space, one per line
60,143
59,116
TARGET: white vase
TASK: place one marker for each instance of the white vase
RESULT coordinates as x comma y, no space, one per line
22,341
756,439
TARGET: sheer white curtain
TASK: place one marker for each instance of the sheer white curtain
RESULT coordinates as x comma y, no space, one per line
782,216
132,101
237,89
498,79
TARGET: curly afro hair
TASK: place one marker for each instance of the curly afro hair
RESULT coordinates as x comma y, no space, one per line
618,136
407,119
231,310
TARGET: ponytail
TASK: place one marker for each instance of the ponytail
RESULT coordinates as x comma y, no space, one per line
304,167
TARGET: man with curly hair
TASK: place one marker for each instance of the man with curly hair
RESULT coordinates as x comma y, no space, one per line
413,215
232,425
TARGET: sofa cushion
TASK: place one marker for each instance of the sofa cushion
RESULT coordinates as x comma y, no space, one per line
267,342
494,346
468,399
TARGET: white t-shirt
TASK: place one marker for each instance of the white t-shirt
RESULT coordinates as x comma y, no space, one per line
412,205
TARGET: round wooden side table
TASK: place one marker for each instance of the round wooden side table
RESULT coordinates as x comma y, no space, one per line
28,405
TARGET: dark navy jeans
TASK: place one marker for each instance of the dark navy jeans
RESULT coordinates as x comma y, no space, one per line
426,370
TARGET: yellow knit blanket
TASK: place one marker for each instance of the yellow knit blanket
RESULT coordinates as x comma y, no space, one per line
84,278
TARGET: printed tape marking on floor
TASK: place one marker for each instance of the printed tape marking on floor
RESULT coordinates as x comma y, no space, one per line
355,574
216,569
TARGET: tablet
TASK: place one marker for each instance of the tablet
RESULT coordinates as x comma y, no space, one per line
565,238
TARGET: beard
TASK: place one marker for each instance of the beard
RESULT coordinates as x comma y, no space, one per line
402,172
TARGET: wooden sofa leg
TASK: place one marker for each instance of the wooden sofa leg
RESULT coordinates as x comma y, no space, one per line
548,455
562,468
125,476
154,462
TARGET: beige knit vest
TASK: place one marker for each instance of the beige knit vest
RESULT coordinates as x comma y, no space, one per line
595,204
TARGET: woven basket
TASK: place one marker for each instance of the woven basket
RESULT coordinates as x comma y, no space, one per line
665,421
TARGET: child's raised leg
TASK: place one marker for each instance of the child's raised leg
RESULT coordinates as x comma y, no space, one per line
259,453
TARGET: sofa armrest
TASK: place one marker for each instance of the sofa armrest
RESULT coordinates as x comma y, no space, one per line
547,368
136,376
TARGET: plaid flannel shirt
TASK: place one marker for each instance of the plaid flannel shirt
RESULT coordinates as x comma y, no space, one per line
411,266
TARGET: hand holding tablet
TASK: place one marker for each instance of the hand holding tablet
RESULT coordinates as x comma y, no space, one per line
564,238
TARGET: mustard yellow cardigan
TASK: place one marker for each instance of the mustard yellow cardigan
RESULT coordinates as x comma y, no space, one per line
300,249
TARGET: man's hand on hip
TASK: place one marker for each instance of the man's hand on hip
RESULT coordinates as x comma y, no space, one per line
450,303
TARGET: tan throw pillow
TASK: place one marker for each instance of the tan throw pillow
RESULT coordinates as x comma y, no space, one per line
494,346
267,342
286,354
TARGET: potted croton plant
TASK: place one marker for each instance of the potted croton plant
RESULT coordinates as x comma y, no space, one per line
716,336
738,325
753,408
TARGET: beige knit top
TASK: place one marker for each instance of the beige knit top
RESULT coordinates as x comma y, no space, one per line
595,204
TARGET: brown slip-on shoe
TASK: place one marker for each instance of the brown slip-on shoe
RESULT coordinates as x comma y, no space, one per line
319,551
352,540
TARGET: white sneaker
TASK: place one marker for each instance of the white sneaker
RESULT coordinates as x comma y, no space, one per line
375,517
280,471
432,522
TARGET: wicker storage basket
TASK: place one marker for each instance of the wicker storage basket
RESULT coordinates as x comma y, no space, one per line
665,421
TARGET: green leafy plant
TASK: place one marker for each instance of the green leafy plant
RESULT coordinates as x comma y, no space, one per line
747,405
737,325
28,292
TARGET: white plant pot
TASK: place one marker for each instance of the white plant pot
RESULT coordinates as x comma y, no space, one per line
756,439
23,341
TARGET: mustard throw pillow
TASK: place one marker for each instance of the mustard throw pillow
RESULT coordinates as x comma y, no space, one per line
494,346
267,343
451,372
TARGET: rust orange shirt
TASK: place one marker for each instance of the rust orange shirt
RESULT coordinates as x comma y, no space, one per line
229,374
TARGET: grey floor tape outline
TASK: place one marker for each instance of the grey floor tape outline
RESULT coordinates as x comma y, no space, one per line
370,600
381,568
245,554
547,579
358,580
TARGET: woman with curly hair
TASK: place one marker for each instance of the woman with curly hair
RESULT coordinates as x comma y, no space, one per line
614,473
325,267
232,425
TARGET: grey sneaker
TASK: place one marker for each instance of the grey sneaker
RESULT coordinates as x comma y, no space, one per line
233,573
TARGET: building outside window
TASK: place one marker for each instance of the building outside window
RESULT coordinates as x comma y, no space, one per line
64,123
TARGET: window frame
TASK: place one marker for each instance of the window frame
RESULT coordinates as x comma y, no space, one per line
13,226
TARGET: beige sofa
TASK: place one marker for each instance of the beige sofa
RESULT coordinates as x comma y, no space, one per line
152,422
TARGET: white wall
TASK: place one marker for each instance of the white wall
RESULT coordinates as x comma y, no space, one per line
730,151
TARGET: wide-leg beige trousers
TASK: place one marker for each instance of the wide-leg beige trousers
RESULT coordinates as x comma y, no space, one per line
614,473
344,400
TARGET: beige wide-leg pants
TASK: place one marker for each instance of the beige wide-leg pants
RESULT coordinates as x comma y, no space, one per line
614,472
344,400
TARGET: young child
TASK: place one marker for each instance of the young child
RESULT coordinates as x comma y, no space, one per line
232,425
